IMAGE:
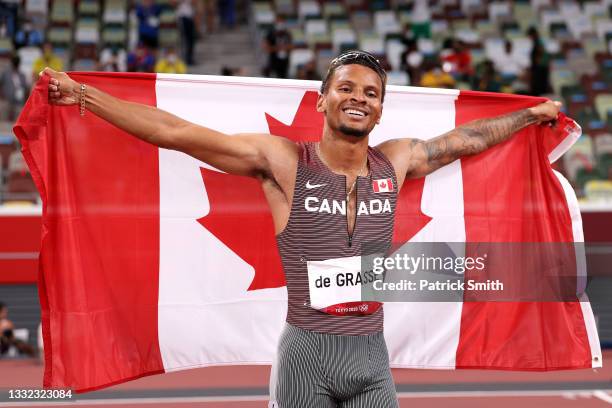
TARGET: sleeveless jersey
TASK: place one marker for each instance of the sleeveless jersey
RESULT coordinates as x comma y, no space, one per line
317,230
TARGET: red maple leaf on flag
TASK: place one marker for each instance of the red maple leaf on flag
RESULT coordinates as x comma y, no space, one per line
240,218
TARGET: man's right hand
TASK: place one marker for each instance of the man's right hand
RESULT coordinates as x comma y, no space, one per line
63,90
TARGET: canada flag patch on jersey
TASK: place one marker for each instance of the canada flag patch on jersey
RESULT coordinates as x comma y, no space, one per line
382,185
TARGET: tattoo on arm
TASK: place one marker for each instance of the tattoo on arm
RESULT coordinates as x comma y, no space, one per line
470,138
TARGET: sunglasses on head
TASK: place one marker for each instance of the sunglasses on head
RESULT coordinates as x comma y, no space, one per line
355,55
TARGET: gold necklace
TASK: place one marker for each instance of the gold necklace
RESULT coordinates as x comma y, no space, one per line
350,191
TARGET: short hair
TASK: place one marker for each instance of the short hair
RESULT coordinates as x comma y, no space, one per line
2,305
355,57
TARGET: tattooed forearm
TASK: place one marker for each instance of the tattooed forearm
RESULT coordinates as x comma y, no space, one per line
471,138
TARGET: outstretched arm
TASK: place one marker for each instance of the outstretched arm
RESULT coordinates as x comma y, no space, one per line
414,158
242,154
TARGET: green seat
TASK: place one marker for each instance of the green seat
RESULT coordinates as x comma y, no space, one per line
333,9
59,35
62,12
603,104
168,37
561,77
89,7
421,30
6,46
114,35
604,164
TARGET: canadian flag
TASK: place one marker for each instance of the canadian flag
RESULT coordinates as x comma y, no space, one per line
152,261
382,185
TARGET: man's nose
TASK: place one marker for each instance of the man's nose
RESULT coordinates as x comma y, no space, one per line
358,96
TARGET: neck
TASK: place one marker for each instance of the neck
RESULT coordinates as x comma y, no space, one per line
345,154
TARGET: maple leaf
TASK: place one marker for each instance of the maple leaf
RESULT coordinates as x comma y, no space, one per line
239,215
307,125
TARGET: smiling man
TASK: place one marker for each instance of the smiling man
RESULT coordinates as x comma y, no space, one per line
326,199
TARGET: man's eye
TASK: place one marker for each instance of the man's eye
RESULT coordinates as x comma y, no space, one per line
372,94
345,89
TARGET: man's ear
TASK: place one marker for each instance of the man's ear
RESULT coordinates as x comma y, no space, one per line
321,105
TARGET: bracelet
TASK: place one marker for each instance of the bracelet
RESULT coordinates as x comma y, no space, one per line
82,100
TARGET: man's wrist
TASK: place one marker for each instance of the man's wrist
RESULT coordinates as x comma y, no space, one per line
531,116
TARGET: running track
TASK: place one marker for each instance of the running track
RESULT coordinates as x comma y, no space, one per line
246,387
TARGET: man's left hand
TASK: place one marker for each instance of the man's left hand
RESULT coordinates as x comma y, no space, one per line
546,111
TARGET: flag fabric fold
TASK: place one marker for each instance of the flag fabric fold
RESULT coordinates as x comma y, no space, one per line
152,261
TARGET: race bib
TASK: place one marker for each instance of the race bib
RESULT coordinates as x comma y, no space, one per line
336,287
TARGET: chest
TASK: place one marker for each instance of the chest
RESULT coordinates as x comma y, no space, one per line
322,210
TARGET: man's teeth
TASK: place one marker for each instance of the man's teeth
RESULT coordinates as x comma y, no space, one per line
354,112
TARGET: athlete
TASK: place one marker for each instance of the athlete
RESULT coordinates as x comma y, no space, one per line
322,197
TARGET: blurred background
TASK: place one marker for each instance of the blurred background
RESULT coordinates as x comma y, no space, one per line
558,49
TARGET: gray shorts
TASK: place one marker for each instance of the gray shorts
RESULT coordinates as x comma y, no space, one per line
325,370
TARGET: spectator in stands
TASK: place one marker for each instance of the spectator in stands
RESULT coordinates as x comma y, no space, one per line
47,59
170,63
7,337
14,88
27,36
227,13
539,70
411,61
308,71
5,323
278,44
148,12
435,77
457,60
486,78
509,65
113,60
141,59
185,12
9,10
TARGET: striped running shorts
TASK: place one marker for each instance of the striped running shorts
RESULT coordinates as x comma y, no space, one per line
315,370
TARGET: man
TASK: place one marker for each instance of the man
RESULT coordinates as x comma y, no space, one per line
278,45
13,88
9,345
47,59
336,355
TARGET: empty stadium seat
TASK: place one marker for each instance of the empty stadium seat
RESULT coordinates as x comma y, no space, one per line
299,57
37,7
27,57
308,8
385,21
283,7
341,36
397,77
372,42
87,31
115,11
603,104
89,8
579,156
333,10
62,12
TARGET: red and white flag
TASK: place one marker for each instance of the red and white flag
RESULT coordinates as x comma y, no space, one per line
382,185
152,261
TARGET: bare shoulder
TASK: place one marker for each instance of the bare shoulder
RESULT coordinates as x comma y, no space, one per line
399,151
397,147
403,154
